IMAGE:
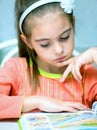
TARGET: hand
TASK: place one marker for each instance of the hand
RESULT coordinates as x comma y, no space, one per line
75,63
74,67
48,104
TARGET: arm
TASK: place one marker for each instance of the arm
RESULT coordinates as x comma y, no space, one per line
89,81
49,104
74,64
10,101
10,106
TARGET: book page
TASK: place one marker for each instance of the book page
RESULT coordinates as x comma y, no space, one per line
64,121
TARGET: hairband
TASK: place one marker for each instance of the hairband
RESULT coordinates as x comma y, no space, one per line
67,5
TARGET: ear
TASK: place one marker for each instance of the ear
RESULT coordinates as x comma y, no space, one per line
26,41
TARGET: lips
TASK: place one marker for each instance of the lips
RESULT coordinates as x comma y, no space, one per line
60,59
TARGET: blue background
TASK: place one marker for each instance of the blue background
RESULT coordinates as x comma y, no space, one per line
85,22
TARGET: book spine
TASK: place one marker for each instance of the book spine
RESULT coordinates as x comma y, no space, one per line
19,124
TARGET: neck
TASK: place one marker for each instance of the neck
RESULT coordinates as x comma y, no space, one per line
49,68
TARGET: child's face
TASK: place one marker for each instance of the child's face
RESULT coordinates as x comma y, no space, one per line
52,39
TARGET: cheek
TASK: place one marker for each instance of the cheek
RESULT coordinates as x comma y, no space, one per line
71,43
44,57
42,53
70,47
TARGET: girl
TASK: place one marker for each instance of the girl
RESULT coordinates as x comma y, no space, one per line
32,82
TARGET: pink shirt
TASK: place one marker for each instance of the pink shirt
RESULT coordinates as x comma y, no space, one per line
14,84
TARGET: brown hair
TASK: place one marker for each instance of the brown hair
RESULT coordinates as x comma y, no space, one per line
24,50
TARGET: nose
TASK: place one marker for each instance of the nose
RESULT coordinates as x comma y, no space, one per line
58,49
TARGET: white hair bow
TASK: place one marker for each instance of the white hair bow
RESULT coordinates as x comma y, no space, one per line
67,5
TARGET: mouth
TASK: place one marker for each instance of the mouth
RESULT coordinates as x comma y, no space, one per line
60,59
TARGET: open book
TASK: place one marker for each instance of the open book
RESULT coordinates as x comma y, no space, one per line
81,120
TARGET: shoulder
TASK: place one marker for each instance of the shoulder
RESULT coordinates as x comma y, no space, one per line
16,64
16,61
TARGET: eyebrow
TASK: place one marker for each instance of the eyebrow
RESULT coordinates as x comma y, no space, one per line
69,29
44,39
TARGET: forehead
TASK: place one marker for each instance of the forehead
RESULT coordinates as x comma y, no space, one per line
50,23
47,16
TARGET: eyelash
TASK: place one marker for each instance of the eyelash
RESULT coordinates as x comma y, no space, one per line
45,45
64,38
61,40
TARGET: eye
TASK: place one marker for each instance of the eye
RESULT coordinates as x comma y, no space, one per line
44,45
62,39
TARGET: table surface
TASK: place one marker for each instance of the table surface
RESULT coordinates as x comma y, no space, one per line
9,125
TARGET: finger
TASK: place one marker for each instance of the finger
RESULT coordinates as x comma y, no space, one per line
76,73
69,109
67,62
65,74
78,106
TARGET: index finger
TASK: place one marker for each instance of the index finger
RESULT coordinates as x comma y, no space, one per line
65,74
66,62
